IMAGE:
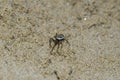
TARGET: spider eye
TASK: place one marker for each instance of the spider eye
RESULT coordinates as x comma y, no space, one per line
60,37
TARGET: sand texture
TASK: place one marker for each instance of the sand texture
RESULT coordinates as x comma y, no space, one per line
92,28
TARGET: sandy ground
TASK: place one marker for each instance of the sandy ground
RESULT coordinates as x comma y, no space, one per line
92,28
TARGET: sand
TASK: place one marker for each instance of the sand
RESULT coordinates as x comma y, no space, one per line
92,28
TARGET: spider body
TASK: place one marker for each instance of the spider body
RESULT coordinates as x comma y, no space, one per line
57,40
59,37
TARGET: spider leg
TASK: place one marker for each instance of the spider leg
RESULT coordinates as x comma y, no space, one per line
53,48
58,47
55,35
61,45
67,42
50,41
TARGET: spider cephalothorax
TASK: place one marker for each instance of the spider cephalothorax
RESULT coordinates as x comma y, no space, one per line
57,40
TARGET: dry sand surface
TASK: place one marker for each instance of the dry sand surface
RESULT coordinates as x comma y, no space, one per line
92,28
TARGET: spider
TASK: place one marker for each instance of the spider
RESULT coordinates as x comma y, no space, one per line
57,40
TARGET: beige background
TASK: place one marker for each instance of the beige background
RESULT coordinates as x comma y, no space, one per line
91,26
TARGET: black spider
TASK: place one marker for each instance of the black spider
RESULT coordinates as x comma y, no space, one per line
57,40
